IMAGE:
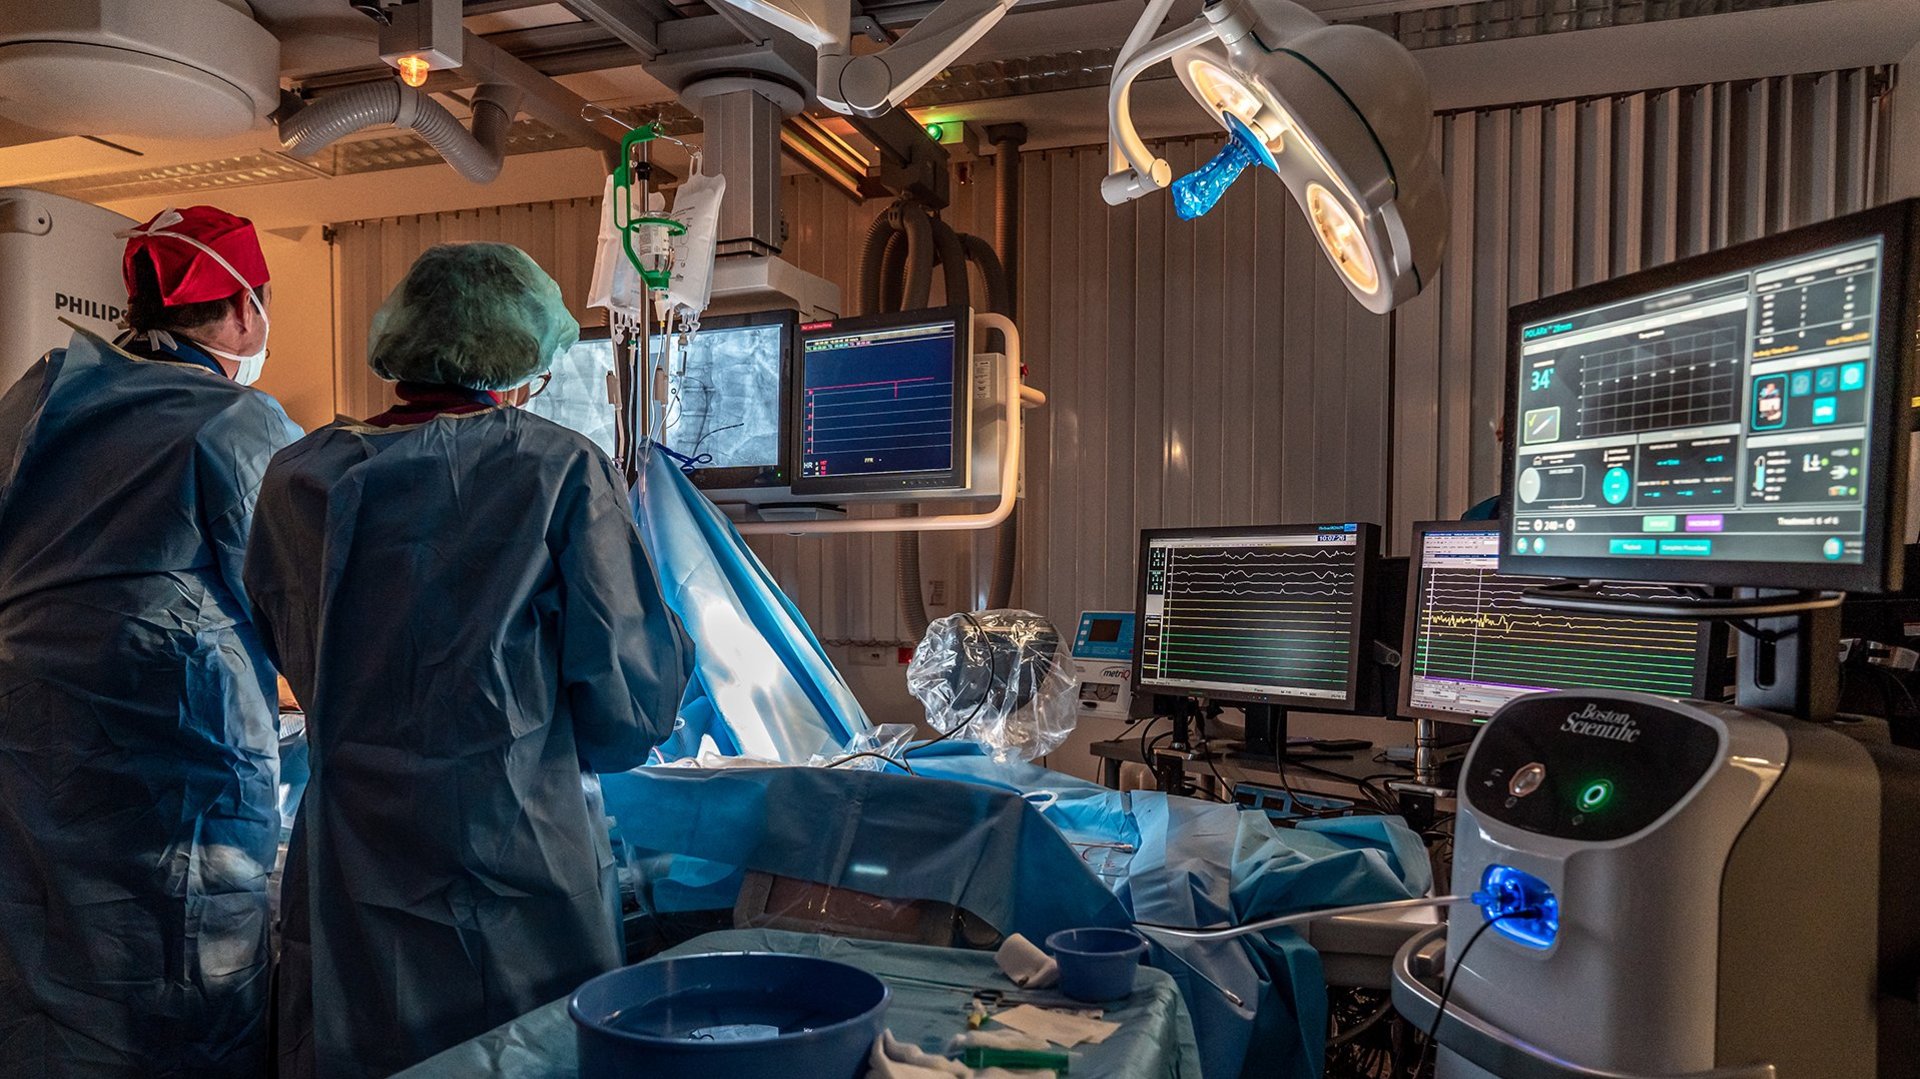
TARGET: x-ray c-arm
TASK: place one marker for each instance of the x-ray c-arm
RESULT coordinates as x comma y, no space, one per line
876,83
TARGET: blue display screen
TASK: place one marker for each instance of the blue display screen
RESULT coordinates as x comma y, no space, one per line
878,401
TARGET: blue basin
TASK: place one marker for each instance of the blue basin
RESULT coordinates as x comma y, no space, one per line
739,1015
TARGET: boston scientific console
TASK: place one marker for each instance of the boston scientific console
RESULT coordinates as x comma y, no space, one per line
1665,887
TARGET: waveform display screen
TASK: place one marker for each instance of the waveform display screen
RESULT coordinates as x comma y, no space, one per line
1472,645
1270,616
884,405
1720,413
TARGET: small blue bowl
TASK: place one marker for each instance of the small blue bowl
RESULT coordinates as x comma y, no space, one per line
737,1015
1097,964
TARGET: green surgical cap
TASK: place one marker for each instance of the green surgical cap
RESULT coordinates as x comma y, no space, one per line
480,315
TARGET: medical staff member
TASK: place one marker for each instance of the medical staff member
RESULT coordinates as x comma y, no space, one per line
138,821
456,590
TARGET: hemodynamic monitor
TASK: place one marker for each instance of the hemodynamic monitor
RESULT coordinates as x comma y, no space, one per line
1257,615
1705,420
1472,645
885,403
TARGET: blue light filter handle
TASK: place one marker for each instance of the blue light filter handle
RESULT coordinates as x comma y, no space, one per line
1198,191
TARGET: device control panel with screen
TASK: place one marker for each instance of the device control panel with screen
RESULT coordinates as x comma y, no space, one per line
1727,417
1472,645
1259,615
885,403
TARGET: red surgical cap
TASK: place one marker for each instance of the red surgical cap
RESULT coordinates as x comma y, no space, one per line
186,273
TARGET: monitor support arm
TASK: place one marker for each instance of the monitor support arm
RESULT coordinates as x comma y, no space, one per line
876,83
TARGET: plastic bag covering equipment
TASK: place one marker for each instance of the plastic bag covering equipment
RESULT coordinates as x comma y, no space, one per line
466,611
137,740
971,832
762,685
480,315
1001,678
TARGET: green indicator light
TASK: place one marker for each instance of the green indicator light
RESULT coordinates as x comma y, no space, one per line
1596,794
934,132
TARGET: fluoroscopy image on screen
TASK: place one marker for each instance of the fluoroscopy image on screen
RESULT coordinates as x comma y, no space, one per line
1472,645
577,395
723,396
1262,617
1726,419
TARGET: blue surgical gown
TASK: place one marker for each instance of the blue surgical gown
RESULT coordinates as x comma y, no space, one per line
137,726
466,611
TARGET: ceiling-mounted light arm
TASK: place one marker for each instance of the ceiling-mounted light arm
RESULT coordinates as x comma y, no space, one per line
880,82
1133,169
876,83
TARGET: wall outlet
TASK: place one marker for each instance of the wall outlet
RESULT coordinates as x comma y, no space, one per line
871,657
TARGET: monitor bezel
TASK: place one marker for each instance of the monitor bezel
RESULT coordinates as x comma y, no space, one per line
758,477
955,476
1710,640
1366,553
1894,361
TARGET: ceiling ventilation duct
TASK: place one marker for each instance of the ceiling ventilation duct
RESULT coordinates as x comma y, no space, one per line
183,69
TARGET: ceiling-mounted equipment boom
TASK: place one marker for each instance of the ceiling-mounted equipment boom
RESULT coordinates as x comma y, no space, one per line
877,83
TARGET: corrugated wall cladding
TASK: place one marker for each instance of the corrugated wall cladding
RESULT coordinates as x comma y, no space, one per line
1216,372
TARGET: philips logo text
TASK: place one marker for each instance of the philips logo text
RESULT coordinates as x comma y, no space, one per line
86,308
1594,722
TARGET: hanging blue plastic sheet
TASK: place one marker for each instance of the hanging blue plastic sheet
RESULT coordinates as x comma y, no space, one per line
1031,851
1178,861
762,686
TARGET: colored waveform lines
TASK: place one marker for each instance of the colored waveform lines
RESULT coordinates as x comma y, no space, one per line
1473,628
1277,619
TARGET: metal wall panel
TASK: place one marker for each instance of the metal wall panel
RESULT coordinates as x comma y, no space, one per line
1216,372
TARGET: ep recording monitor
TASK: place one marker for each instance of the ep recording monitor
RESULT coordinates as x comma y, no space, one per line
885,404
1260,615
1737,418
1471,644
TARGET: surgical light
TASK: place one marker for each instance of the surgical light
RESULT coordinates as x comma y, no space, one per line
1341,114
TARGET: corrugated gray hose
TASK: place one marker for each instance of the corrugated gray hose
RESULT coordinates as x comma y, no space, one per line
475,155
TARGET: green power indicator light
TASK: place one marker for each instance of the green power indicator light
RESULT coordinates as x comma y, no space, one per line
934,131
1597,793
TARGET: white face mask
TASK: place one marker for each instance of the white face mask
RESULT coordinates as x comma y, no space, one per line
250,365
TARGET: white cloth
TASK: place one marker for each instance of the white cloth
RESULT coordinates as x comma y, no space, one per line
1027,966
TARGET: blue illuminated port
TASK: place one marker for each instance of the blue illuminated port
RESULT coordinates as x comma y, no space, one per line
1504,890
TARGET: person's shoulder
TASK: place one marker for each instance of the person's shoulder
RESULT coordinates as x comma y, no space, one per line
242,412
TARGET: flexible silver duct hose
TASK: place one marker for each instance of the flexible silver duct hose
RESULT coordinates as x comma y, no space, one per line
475,155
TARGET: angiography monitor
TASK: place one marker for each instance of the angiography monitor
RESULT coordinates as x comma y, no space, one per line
580,393
1471,645
1262,615
728,399
1734,418
885,404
